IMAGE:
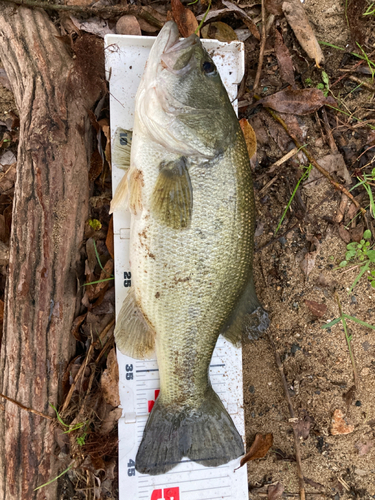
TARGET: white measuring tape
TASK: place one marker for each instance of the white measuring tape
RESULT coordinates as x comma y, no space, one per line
126,57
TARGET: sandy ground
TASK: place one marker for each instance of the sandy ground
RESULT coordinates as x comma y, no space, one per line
316,361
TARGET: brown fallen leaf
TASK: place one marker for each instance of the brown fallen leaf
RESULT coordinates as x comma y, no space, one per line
262,443
8,178
315,308
356,233
184,18
219,31
308,263
110,420
109,240
250,137
364,448
109,380
274,7
312,483
333,163
275,491
339,425
128,25
96,165
245,17
298,21
344,234
297,102
284,60
75,329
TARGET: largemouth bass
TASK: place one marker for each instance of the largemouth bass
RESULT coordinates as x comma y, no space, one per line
191,248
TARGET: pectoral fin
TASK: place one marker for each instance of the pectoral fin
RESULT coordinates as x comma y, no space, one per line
133,334
248,319
172,198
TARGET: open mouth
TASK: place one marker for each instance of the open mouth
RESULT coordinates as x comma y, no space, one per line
174,51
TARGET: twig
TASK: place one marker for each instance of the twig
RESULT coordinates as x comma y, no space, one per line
302,493
277,163
83,367
331,140
105,9
30,410
361,82
262,47
312,160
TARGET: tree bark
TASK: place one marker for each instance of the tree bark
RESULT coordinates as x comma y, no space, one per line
49,212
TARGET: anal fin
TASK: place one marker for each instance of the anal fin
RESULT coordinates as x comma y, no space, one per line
172,198
248,318
133,334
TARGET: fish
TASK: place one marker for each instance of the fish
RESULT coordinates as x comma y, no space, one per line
189,188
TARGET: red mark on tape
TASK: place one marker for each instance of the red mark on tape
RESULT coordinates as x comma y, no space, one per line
169,493
150,405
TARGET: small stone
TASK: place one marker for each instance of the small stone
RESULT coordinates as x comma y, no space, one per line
365,371
252,389
317,392
360,472
295,348
366,346
358,403
128,25
354,299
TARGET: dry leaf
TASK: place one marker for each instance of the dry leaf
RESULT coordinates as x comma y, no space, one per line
262,443
184,18
75,329
308,263
283,59
312,483
245,17
128,25
356,233
219,31
94,25
110,420
363,448
339,425
333,163
315,308
275,491
96,165
298,21
110,379
109,240
274,7
250,137
297,102
344,234
8,178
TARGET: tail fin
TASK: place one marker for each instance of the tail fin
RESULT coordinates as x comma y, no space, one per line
205,434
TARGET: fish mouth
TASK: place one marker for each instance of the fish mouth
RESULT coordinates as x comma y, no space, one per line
177,54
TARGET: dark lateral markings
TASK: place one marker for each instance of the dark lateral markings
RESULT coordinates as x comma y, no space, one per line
157,369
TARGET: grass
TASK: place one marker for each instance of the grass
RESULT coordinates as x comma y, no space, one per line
348,337
55,478
303,177
370,11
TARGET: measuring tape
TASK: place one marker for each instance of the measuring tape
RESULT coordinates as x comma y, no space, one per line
126,57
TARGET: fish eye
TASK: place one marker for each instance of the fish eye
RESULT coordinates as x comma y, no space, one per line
209,68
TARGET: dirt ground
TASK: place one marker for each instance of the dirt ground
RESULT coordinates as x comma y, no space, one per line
316,361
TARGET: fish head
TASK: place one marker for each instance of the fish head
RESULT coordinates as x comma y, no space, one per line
183,102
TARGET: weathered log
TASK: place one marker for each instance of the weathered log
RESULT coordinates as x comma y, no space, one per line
49,211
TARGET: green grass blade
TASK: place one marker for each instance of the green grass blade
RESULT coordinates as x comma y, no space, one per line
58,416
360,322
331,323
55,478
